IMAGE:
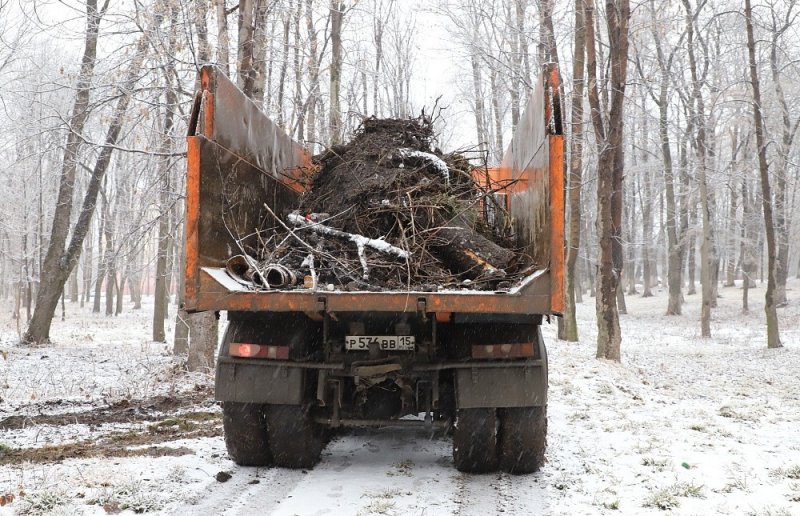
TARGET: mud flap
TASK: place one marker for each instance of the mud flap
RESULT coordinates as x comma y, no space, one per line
512,386
251,383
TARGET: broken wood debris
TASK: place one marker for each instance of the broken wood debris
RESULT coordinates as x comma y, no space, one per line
388,211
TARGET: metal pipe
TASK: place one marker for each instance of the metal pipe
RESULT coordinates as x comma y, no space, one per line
278,276
239,268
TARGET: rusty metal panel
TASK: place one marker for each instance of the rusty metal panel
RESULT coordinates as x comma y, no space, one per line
239,160
526,163
532,298
191,272
557,223
557,188
236,123
231,197
533,169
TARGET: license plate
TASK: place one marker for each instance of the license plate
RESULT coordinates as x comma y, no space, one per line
384,342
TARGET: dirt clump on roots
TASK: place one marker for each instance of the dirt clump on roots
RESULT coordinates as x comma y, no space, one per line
388,211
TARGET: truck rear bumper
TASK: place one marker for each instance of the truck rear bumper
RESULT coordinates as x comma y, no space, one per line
518,383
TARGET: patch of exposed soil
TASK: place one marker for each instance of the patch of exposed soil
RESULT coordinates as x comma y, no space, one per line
122,411
131,443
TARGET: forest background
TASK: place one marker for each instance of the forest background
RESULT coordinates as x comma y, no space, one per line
681,121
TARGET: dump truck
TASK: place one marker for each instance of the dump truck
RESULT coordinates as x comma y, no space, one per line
297,364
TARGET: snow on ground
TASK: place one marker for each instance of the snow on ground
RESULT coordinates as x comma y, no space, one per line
683,425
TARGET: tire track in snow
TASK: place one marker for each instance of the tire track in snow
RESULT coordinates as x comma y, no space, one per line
249,491
500,493
386,471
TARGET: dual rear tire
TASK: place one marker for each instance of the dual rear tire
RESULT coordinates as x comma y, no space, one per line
509,439
272,435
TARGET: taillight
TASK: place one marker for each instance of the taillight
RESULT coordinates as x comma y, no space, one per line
246,350
520,350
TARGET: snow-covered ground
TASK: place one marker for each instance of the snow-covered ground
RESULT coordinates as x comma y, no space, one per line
683,424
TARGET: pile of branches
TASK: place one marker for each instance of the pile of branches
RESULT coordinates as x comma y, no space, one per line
388,211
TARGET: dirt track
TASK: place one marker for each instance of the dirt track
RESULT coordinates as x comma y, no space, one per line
126,428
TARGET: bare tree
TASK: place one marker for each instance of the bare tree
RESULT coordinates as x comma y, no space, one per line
161,300
773,332
57,262
570,330
337,12
223,45
701,146
784,146
608,131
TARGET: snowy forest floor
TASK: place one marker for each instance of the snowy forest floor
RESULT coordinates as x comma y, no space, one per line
104,421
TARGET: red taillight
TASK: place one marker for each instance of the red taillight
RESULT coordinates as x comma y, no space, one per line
520,350
245,350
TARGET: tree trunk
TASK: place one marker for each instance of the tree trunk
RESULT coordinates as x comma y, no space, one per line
111,282
773,332
59,261
688,216
749,233
161,297
101,256
161,294
201,27
245,73
313,76
39,329
521,33
202,340
73,286
120,288
335,117
260,44
281,118
782,214
706,245
298,108
87,271
378,24
730,273
609,137
498,117
622,307
646,201
630,267
135,286
479,110
571,286
223,44
180,343
111,271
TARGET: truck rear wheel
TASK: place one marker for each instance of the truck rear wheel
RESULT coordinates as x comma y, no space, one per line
475,440
523,438
295,439
246,433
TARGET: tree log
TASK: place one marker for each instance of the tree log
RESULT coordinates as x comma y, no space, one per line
464,251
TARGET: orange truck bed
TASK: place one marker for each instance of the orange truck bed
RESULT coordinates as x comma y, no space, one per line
238,160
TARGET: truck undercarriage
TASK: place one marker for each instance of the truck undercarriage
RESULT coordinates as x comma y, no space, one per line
480,379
